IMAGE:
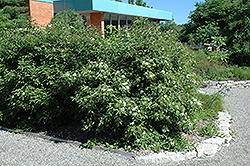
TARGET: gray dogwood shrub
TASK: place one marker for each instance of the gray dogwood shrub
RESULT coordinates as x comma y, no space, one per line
133,89
141,92
36,73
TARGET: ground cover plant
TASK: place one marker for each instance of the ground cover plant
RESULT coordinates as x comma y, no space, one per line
134,89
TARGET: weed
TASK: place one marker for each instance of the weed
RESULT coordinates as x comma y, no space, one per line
211,104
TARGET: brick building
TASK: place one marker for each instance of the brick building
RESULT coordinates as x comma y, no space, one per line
99,13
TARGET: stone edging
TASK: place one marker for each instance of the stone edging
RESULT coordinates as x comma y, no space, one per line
207,147
228,84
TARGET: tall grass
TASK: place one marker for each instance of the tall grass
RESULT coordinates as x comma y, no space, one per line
241,73
211,67
211,105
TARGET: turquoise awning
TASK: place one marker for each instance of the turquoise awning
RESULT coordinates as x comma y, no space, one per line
109,6
49,1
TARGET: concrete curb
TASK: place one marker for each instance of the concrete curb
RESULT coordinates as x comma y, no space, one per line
207,147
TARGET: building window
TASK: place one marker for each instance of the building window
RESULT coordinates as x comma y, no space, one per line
117,20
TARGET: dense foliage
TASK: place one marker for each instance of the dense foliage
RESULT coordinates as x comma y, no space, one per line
145,98
35,67
134,89
240,39
5,23
69,17
210,18
14,13
221,18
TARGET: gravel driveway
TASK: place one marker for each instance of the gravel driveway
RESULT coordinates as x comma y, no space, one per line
18,149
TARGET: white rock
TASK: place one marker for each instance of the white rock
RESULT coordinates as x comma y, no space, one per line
190,155
217,140
225,124
230,81
207,149
222,82
213,83
233,87
223,115
241,82
230,85
166,156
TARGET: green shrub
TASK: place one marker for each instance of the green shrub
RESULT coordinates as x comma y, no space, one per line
134,89
36,68
141,94
69,17
5,23
16,13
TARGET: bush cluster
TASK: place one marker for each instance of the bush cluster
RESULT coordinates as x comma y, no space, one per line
14,13
36,68
134,89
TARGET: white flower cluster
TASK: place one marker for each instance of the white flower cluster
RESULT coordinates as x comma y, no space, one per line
125,86
145,63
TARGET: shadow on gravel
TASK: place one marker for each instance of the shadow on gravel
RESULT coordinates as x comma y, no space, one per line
71,133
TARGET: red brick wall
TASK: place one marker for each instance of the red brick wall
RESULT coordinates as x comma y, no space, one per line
41,12
97,19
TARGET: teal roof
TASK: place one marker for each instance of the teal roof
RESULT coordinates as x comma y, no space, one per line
111,7
49,1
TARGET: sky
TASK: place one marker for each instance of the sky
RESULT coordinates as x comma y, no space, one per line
179,8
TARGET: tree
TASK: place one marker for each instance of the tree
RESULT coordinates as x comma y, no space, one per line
16,12
131,2
240,33
138,3
229,20
218,41
171,25
210,17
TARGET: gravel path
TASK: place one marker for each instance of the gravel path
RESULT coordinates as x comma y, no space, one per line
238,152
18,149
